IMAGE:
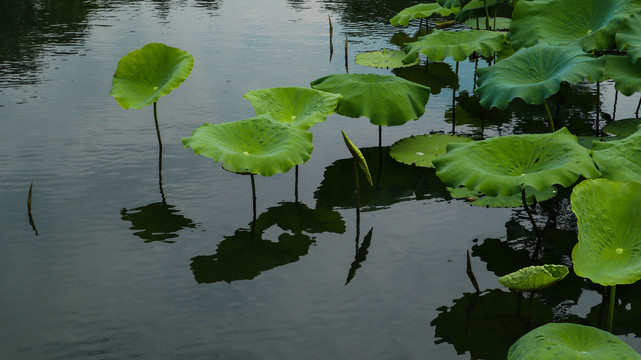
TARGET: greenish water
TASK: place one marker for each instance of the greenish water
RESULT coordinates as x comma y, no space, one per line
132,257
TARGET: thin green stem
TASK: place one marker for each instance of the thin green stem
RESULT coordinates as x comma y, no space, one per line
487,16
549,115
358,199
157,128
253,197
611,312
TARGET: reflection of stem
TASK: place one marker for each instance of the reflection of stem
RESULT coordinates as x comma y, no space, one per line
529,311
157,128
636,113
454,104
470,274
253,198
33,225
598,106
536,228
162,193
549,114
358,200
611,312
296,186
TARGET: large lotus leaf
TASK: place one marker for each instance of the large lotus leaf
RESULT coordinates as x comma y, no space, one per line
420,150
358,157
592,22
421,11
385,99
257,145
619,160
628,36
556,341
535,73
625,127
477,198
503,165
146,74
534,278
458,44
386,59
476,9
626,74
295,106
609,248
449,3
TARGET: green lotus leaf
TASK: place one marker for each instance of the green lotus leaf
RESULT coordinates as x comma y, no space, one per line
503,165
476,9
625,127
535,73
256,146
609,248
624,73
628,36
555,341
534,278
358,157
458,44
619,160
386,59
146,74
477,198
502,23
385,99
421,11
449,3
420,150
295,106
593,23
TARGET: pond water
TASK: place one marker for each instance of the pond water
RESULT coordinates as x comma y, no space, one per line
129,254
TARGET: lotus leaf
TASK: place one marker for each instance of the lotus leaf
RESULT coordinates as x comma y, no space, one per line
503,165
256,146
628,36
358,157
476,9
535,73
385,99
478,199
295,106
146,74
386,59
421,11
593,23
449,3
420,150
624,73
625,127
570,341
619,160
501,23
609,248
534,278
458,44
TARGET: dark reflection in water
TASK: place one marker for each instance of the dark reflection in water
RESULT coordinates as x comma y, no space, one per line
157,221
436,76
361,254
245,255
469,112
627,311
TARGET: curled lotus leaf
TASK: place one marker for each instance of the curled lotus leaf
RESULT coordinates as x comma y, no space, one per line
628,36
619,160
555,341
296,106
624,73
421,11
459,45
477,198
358,157
535,73
609,248
625,127
146,74
593,23
421,150
504,165
385,99
386,59
252,146
534,278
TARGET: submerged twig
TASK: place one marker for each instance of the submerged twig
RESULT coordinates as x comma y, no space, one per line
33,225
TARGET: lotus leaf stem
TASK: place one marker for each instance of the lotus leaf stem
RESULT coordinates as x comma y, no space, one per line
611,312
636,113
487,16
549,115
358,200
157,128
253,198
296,186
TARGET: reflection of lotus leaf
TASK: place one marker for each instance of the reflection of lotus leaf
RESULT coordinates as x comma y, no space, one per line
257,145
146,74
556,341
385,99
295,106
628,36
420,150
438,75
534,278
156,222
625,127
386,59
624,73
502,165
592,22
535,73
458,44
609,248
470,112
297,217
478,199
619,160
421,11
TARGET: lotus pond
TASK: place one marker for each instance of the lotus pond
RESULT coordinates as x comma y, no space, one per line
112,247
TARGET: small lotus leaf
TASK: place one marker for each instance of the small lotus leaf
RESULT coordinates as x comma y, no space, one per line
535,73
449,3
628,36
458,44
593,23
421,11
256,146
385,99
534,278
386,59
609,248
498,23
619,160
478,199
625,127
420,150
555,341
358,157
624,73
295,106
146,74
503,165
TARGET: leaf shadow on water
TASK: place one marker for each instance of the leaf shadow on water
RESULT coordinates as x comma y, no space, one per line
157,221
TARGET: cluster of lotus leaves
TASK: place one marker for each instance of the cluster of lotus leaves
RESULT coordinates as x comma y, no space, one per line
386,59
534,278
252,146
592,23
146,74
624,73
459,45
504,165
619,160
421,150
628,36
556,341
385,99
421,11
358,157
295,106
609,248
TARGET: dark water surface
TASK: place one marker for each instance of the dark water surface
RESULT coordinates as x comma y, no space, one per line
126,260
